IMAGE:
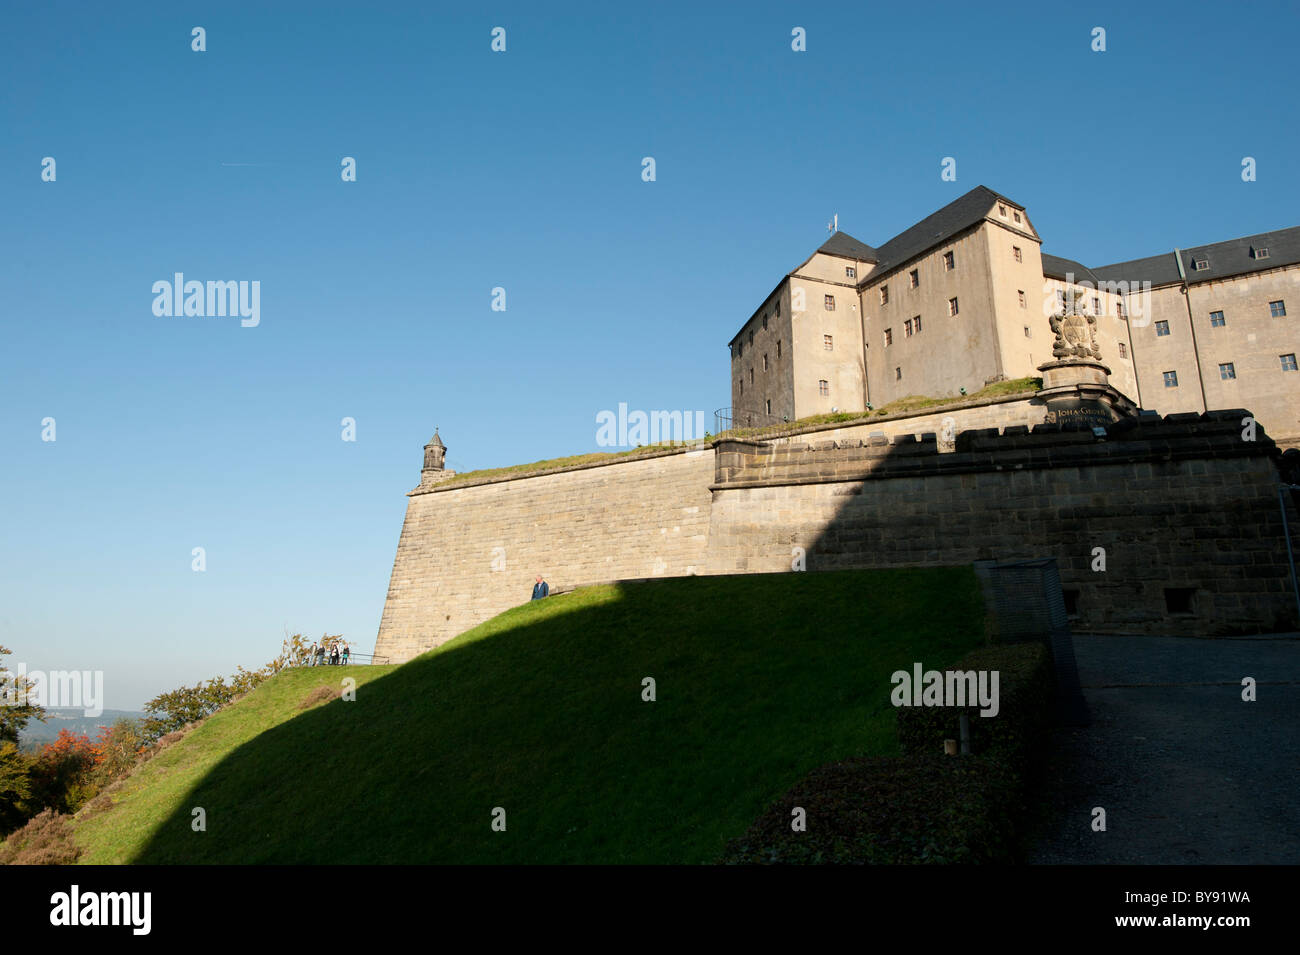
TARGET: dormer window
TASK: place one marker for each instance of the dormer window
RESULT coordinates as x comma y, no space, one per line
1258,253
1200,265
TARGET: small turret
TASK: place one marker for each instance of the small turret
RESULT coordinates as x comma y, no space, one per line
435,456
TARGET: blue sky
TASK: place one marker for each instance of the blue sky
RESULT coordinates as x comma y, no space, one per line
476,170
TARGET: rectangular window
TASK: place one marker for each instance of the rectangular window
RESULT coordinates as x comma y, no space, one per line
1217,320
1027,335
778,348
765,363
1021,294
952,306
1002,211
884,295
1119,307
889,336
751,376
898,374
1123,350
751,338
1200,265
828,343
1277,309
1162,329
1288,362
1017,215
916,322
769,405
907,326
1096,305
914,277
740,349
830,303
823,387
1258,253
850,271
1227,370
1171,379
741,382
778,308
764,323
949,262
1015,251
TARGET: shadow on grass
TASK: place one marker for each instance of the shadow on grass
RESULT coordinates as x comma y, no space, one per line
758,679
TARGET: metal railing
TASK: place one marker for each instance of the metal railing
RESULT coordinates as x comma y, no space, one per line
727,419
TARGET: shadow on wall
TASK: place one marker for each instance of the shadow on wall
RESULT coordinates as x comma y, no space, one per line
1160,525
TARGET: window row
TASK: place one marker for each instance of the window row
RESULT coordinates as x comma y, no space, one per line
1217,320
1228,370
914,276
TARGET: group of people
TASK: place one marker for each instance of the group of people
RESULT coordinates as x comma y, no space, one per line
335,654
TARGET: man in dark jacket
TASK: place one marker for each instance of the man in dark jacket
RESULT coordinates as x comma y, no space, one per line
540,589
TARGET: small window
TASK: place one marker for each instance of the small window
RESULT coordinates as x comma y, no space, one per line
889,336
751,376
1200,265
907,325
1021,294
1002,211
751,338
764,323
1027,335
1277,309
823,387
884,295
765,363
1258,253
1217,320
1015,251
769,405
741,382
916,322
830,303
1096,305
778,348
1288,362
1071,598
850,271
1227,370
952,306
1171,379
1119,307
740,349
914,278
1123,350
1162,329
828,343
949,262
898,374
778,308
1180,599
1017,215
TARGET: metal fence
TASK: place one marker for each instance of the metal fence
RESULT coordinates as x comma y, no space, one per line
727,419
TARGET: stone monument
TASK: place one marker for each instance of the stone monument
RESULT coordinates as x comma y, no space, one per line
1076,386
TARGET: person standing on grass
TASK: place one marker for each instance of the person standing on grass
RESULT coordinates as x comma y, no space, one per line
311,656
540,589
334,655
320,654
346,652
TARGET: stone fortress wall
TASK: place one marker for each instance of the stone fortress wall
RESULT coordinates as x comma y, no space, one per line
1185,508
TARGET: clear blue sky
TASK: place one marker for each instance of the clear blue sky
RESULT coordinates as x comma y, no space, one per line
476,170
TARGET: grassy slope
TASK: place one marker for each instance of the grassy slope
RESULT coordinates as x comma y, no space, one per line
759,679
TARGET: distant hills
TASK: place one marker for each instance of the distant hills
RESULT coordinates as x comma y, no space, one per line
70,718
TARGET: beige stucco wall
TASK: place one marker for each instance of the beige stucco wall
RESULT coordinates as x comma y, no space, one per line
841,367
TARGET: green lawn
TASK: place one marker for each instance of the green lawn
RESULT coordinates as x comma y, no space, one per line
539,711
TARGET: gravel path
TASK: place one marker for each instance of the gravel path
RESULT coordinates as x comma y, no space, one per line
1186,771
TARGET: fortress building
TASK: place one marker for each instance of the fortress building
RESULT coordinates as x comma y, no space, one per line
963,298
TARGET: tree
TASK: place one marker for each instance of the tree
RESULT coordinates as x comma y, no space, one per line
16,710
62,773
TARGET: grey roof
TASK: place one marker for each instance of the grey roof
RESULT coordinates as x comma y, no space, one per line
1056,267
435,441
937,228
1226,259
843,244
